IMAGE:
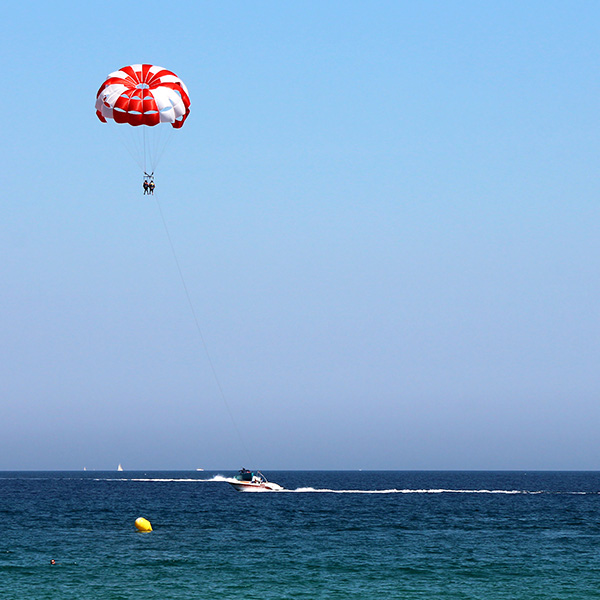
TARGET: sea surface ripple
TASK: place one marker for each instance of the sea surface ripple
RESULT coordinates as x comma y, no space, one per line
328,534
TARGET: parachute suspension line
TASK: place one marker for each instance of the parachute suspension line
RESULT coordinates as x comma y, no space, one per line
201,336
156,143
131,144
161,146
146,147
152,145
144,143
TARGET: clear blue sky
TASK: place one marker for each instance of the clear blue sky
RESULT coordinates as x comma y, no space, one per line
387,219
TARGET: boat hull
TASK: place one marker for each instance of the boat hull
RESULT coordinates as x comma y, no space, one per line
251,486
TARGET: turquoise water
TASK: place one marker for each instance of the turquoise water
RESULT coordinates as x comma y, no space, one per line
333,535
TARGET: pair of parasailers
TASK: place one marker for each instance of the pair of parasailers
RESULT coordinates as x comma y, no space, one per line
149,184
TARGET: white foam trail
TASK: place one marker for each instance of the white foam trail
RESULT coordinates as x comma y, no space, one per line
154,479
408,491
223,479
311,490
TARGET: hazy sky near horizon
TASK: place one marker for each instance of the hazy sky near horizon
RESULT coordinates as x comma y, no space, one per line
386,215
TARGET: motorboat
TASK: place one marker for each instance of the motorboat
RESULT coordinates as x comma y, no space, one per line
252,481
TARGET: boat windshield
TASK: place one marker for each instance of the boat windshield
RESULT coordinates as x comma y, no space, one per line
244,475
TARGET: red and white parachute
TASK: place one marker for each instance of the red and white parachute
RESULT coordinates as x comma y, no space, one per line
144,95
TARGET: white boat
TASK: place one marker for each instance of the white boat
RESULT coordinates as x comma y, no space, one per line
119,468
249,481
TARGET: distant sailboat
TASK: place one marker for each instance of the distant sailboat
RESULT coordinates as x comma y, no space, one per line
119,468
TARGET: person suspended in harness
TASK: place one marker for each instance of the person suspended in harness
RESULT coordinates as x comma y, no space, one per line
148,183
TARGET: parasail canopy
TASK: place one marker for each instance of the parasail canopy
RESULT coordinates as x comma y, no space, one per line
143,95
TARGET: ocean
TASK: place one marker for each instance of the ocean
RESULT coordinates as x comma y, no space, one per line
331,534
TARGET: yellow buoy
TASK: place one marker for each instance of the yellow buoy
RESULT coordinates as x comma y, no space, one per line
143,524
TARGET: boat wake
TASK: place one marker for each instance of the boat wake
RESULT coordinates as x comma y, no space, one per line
408,491
165,479
313,490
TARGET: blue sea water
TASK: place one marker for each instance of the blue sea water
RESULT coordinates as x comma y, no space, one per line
348,534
